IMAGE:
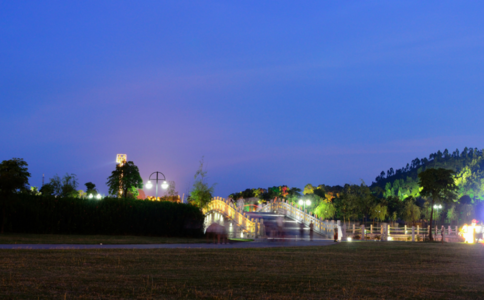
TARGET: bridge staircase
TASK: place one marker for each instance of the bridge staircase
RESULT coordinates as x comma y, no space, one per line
291,229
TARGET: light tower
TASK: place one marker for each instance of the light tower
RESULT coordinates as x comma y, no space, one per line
121,159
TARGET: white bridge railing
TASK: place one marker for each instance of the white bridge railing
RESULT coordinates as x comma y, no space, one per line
235,217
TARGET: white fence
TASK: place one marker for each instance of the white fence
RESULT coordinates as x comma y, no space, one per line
355,230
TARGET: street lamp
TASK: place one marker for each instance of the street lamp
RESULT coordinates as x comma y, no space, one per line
304,203
98,196
437,207
164,184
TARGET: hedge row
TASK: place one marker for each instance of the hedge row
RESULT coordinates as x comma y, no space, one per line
110,216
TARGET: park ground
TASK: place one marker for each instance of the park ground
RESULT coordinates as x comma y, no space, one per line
93,239
358,270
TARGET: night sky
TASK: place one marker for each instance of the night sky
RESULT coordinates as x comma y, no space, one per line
269,92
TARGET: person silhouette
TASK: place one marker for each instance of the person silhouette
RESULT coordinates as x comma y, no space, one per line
311,231
301,229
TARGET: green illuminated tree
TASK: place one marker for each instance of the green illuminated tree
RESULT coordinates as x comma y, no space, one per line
452,215
379,212
308,189
325,210
201,193
124,178
439,185
411,212
14,178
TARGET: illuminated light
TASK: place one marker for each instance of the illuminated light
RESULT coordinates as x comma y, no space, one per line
308,202
241,234
349,239
468,233
121,159
90,196
164,185
389,238
301,202
149,185
98,196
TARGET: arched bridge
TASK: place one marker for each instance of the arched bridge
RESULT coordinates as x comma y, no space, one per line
237,223
261,224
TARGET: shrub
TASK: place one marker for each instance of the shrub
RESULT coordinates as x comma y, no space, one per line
377,237
110,216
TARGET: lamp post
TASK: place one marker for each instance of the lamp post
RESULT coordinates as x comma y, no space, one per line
164,184
437,207
304,203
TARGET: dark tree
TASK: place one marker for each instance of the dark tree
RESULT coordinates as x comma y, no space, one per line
47,190
319,192
439,185
294,191
90,188
416,163
14,178
124,178
61,187
248,193
465,200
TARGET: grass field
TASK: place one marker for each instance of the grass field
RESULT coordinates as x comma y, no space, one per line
394,270
92,239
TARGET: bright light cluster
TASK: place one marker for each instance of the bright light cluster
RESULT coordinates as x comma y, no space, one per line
468,232
164,185
302,202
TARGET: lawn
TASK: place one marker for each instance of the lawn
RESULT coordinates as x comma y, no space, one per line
394,270
92,239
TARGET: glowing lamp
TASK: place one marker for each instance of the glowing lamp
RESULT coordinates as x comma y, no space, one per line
301,202
98,196
308,202
164,185
349,239
149,185
469,233
90,196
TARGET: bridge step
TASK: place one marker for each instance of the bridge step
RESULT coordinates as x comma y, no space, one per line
291,228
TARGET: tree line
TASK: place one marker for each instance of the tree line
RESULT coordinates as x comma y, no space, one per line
397,195
59,207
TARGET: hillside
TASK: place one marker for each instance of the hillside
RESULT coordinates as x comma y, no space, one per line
468,165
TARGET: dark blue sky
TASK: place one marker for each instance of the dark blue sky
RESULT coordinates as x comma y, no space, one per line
270,92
